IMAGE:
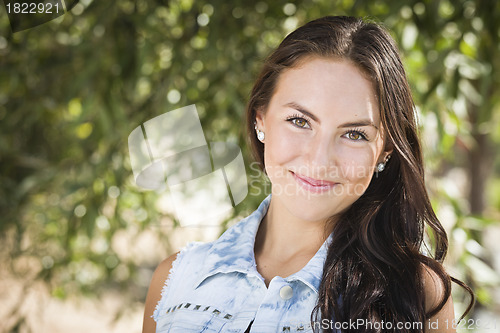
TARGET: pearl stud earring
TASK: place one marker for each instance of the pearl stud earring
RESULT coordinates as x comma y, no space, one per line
260,134
381,165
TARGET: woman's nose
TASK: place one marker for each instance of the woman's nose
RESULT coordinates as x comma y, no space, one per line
322,155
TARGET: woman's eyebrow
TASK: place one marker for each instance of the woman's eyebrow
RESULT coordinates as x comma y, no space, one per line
359,123
303,110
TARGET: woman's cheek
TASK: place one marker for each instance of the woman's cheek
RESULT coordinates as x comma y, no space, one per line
357,166
285,144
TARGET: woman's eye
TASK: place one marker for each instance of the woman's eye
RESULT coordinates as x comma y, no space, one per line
300,122
355,136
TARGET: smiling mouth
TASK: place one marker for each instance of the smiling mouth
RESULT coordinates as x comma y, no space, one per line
313,185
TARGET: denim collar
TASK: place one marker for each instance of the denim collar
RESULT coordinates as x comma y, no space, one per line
234,252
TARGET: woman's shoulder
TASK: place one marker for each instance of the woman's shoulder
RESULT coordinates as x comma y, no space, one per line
437,291
185,258
163,277
163,269
158,280
434,287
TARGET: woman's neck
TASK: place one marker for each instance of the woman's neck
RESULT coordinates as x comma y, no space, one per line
282,235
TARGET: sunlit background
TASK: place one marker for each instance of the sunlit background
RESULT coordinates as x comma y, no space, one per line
79,240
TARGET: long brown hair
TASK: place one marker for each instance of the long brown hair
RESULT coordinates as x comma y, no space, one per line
373,270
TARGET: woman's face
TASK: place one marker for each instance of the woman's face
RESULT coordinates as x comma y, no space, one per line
323,137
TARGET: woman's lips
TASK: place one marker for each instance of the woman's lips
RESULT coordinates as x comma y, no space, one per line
313,185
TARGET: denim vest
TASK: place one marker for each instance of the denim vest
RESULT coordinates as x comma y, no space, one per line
215,287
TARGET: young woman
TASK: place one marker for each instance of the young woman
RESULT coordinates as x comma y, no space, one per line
338,244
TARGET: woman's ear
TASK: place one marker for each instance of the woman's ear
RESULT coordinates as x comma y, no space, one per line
260,120
389,148
385,155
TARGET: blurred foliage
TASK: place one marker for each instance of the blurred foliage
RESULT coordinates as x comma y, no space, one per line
72,90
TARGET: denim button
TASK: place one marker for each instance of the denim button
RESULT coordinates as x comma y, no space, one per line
286,292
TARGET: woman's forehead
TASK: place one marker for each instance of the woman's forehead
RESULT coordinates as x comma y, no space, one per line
326,87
